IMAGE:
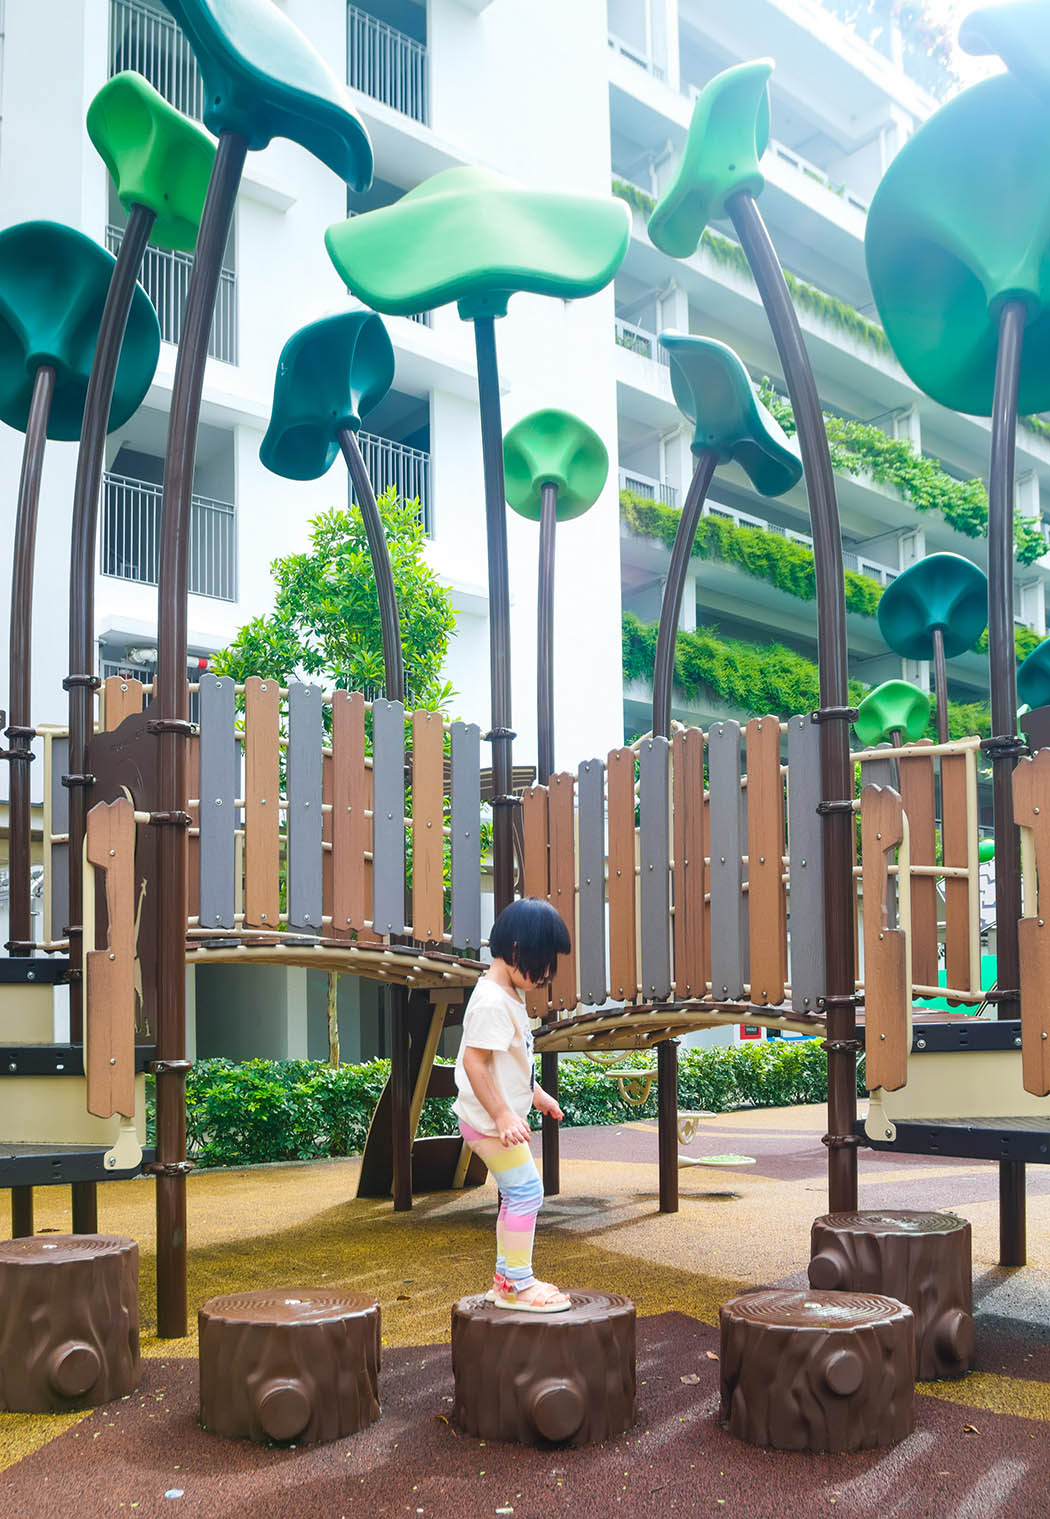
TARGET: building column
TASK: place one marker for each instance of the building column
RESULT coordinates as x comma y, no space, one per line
663,41
191,1012
676,463
295,1014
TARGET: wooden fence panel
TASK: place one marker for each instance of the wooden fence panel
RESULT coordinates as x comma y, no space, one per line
120,697
690,967
109,972
623,937
1031,796
590,810
466,836
887,989
305,830
654,758
954,848
917,785
388,820
217,813
728,971
351,829
563,882
767,903
262,803
805,866
428,792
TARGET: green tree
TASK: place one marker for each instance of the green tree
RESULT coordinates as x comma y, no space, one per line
325,619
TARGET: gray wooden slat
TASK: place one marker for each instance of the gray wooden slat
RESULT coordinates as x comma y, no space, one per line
590,813
218,791
60,907
654,830
305,857
388,805
466,835
727,867
884,772
805,867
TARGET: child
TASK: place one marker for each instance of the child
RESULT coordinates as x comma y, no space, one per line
496,1085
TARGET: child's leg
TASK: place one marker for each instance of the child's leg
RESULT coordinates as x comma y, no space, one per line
521,1197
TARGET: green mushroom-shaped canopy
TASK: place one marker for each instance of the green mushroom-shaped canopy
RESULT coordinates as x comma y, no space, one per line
942,591
53,286
959,225
728,134
475,237
330,374
714,391
893,707
552,447
156,157
1033,676
1019,33
263,79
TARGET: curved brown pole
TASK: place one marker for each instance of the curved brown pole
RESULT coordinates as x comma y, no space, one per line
836,769
393,661
671,605
940,685
20,731
544,769
1005,745
172,729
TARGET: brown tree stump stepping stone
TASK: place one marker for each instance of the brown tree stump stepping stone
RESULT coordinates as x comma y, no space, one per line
818,1371
532,1377
924,1259
300,1364
69,1321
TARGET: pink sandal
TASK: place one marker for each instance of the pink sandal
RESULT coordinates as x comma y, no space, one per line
540,1297
499,1284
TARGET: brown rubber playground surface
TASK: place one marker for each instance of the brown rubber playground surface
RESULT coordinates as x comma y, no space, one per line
981,1446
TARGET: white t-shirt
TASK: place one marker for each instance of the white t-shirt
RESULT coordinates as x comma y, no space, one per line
496,1020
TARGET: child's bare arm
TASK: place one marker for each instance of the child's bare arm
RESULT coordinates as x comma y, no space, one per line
511,1129
543,1102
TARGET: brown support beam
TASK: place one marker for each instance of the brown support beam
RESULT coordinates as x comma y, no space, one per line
401,1099
85,1207
21,1212
667,1120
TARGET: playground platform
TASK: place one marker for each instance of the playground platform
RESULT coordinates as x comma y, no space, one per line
979,1450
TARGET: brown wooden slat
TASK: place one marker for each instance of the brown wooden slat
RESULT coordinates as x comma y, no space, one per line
767,898
957,968
537,872
428,890
121,697
918,795
887,993
561,811
623,934
1031,788
262,816
707,885
690,965
193,788
110,973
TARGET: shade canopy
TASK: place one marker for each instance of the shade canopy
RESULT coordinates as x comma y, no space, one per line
330,374
713,390
942,591
156,157
728,134
553,447
53,285
263,79
1019,33
475,237
893,707
1033,676
958,226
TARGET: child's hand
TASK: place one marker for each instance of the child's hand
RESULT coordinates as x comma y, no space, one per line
545,1103
512,1129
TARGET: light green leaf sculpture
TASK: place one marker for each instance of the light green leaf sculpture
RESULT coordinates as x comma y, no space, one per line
1019,33
893,707
263,79
475,237
959,225
553,447
728,134
713,390
156,157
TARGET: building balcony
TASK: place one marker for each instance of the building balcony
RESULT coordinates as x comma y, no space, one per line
166,279
406,469
387,64
638,340
131,517
647,488
146,39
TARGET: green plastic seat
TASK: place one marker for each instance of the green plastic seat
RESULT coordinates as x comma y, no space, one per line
1033,676
330,374
263,79
893,707
728,134
53,285
942,591
475,237
553,447
1019,33
156,157
957,227
713,390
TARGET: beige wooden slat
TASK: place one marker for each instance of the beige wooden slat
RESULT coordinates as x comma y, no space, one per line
119,698
561,812
537,872
623,933
193,788
332,929
109,1061
955,850
887,992
428,790
262,816
690,965
918,795
767,898
1031,790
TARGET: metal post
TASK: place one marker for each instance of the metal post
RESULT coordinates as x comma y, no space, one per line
21,1212
393,662
550,1144
85,1207
667,1121
400,1099
940,685
671,606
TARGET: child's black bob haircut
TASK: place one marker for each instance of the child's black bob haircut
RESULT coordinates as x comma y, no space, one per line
530,935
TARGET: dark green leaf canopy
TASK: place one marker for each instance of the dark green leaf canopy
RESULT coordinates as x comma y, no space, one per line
959,225
53,285
893,707
1033,676
263,79
330,374
942,591
553,447
712,390
1019,33
475,237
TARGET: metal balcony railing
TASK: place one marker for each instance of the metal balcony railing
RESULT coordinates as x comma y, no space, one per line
635,55
638,340
883,573
386,64
146,39
131,511
648,489
810,170
395,464
166,279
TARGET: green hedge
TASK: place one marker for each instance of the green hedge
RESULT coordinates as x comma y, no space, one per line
273,1110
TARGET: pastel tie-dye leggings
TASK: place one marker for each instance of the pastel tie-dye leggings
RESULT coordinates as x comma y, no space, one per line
521,1197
